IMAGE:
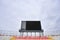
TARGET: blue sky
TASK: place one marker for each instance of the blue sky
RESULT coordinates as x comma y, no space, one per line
47,11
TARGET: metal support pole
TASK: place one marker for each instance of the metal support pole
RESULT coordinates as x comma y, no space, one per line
21,33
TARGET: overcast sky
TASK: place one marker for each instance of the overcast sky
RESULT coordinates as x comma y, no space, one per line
12,12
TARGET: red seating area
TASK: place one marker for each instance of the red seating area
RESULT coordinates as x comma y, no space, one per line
32,38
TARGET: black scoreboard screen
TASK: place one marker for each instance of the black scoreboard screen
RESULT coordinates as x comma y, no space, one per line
33,25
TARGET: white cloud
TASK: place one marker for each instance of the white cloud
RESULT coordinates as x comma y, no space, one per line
13,11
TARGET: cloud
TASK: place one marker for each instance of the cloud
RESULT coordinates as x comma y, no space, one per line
13,11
